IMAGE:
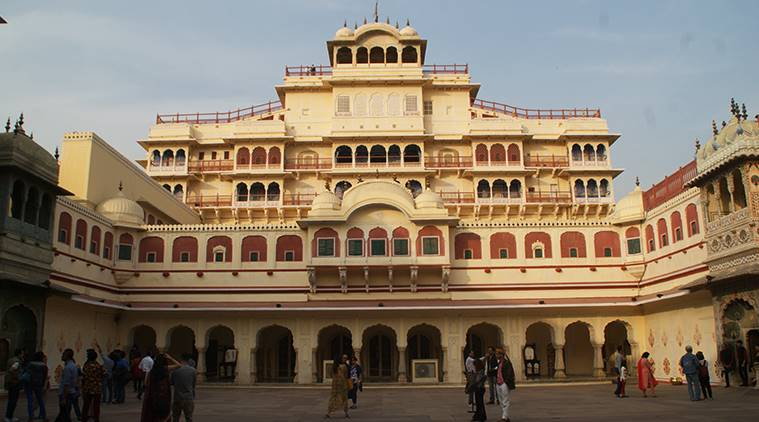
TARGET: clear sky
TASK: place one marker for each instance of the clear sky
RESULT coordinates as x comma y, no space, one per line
659,70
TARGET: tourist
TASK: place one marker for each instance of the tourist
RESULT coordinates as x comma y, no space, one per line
92,386
491,368
356,375
138,374
727,360
470,370
689,363
338,396
476,386
703,375
646,379
68,389
156,406
742,358
35,388
504,383
108,364
13,384
183,380
120,376
622,381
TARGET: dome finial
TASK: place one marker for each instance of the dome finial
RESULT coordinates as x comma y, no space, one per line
745,113
387,20
396,24
326,185
637,181
345,23
427,182
56,155
364,20
360,179
698,145
376,11
121,186
714,128
355,25
408,22
733,106
8,125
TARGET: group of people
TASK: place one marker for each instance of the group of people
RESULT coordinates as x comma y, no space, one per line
347,381
103,381
495,369
736,359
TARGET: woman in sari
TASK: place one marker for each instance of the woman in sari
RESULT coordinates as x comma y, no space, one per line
338,397
156,402
646,378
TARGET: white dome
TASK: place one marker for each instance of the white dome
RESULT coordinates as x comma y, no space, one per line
344,32
408,31
122,211
325,200
630,208
428,199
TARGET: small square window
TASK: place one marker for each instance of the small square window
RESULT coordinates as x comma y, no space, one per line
428,108
468,254
503,253
106,252
201,155
289,256
125,252
150,257
678,234
253,256
325,247
226,155
213,155
218,256
633,246
378,247
538,253
63,236
79,242
400,247
430,246
93,247
573,252
651,246
343,105
607,252
355,247
411,105
184,257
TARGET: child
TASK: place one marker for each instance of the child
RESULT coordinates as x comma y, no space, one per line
622,380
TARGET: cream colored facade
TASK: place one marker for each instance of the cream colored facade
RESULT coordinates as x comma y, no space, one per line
379,208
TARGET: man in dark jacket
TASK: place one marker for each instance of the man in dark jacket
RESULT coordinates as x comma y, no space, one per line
727,360
13,384
491,367
742,355
504,383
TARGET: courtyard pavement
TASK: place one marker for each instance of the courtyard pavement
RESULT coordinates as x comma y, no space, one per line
417,404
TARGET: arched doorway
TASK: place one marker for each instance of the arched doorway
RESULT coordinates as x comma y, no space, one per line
481,336
578,350
221,365
275,355
19,327
334,342
380,354
182,342
539,335
615,335
423,342
143,339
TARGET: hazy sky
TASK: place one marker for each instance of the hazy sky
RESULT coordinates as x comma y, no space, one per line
659,70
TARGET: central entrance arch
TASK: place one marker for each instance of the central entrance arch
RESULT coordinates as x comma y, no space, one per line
380,354
275,356
220,365
481,336
423,342
334,342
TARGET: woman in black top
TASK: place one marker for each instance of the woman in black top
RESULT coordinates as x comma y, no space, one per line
477,385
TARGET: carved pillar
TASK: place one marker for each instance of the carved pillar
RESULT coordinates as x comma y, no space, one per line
357,353
559,369
632,360
316,366
598,360
446,273
201,364
413,276
253,366
402,365
242,368
731,189
444,363
343,276
312,279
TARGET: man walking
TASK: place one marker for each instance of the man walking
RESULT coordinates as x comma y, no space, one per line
68,389
146,364
13,383
727,360
504,383
470,371
108,364
93,374
356,375
183,380
491,369
742,356
689,363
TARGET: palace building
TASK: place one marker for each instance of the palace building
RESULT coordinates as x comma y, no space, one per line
379,207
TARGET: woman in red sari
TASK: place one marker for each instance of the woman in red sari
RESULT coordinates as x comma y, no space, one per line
646,378
156,402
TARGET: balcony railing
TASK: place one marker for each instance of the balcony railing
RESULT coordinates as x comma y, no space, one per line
491,163
378,162
447,162
456,197
528,113
308,164
220,116
552,161
257,166
210,166
298,199
593,199
445,69
207,201
304,70
180,167
499,200
560,197
257,202
590,163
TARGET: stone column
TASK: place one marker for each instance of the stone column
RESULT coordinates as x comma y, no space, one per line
598,360
242,368
559,369
756,376
201,364
632,360
402,365
444,363
253,366
317,365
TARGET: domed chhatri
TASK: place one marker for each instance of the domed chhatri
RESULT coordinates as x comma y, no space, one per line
428,199
344,31
408,30
122,211
735,130
325,200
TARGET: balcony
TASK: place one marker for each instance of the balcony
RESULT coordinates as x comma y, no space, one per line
558,197
257,167
220,116
313,70
305,164
257,202
590,161
298,199
209,201
448,162
445,69
594,199
210,166
172,169
456,197
363,162
499,200
527,113
427,69
548,161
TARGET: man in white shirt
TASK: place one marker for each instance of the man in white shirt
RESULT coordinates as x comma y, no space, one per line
146,364
470,371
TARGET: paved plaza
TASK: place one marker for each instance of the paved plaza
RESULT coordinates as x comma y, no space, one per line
408,404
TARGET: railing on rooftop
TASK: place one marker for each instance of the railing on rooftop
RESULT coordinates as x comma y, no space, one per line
304,70
558,197
308,164
553,161
528,113
206,201
298,199
447,162
456,197
220,116
671,186
445,69
210,166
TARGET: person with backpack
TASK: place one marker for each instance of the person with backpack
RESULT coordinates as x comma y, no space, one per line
703,375
689,363
120,377
13,383
37,373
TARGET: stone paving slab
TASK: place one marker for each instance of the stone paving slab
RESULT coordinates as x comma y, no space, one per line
533,403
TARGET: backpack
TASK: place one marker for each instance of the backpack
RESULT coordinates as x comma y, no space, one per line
690,364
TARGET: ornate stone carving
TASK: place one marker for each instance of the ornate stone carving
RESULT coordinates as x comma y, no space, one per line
446,273
312,279
414,276
343,276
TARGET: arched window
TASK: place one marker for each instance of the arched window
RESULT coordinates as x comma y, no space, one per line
430,242
592,189
289,248
604,188
178,191
483,189
579,189
64,228
537,245
650,239
661,227
394,154
572,245
481,154
676,222
344,55
391,55
414,187
125,247
95,240
275,156
576,152
272,192
258,157
497,154
168,158
254,249
151,249
739,192
515,189
341,187
362,155
500,189
724,192
394,104
167,187
80,237
409,55
219,249
412,153
362,55
632,235
378,242
503,245
32,206
355,242
600,153
46,210
589,152
467,246
257,192
326,243
691,216
155,158
377,154
401,242
343,155
184,249
360,105
513,154
376,105
17,199
242,192
107,245
243,156
181,158
607,244
376,55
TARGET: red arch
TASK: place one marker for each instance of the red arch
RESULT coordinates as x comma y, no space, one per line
632,233
81,230
541,237
503,240
253,244
400,233
243,156
607,239
497,154
513,154
325,232
64,223
691,216
481,154
650,241
377,233
289,242
676,221
187,244
108,245
661,228
258,157
151,244
430,231
215,241
126,239
573,239
275,156
464,241
95,240
355,233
